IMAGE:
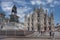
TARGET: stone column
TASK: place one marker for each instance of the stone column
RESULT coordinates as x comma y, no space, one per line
47,21
35,22
52,22
26,22
42,21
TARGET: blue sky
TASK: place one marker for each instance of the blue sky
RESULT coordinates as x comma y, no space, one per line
27,6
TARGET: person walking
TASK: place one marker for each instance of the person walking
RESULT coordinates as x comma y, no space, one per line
53,34
50,34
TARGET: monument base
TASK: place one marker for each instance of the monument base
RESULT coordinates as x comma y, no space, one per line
15,32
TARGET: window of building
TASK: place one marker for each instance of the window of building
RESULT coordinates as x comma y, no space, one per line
28,24
38,20
28,28
32,28
28,19
32,24
38,27
32,20
44,19
49,27
38,14
44,23
45,28
49,23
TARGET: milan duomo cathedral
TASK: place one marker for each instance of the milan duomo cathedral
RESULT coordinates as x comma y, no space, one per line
39,20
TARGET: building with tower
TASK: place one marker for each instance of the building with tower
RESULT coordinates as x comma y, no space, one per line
39,20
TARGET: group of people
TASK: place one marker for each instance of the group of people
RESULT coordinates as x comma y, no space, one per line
51,33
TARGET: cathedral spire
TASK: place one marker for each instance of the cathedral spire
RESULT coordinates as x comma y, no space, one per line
34,8
52,13
46,11
41,8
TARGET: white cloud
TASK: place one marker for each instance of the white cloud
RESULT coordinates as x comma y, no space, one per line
49,1
6,6
21,12
30,13
33,3
51,5
21,2
23,9
21,15
56,3
37,2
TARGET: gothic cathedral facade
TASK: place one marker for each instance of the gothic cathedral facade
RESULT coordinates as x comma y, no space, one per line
39,20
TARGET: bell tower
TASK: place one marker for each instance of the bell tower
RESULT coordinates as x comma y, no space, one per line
13,16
